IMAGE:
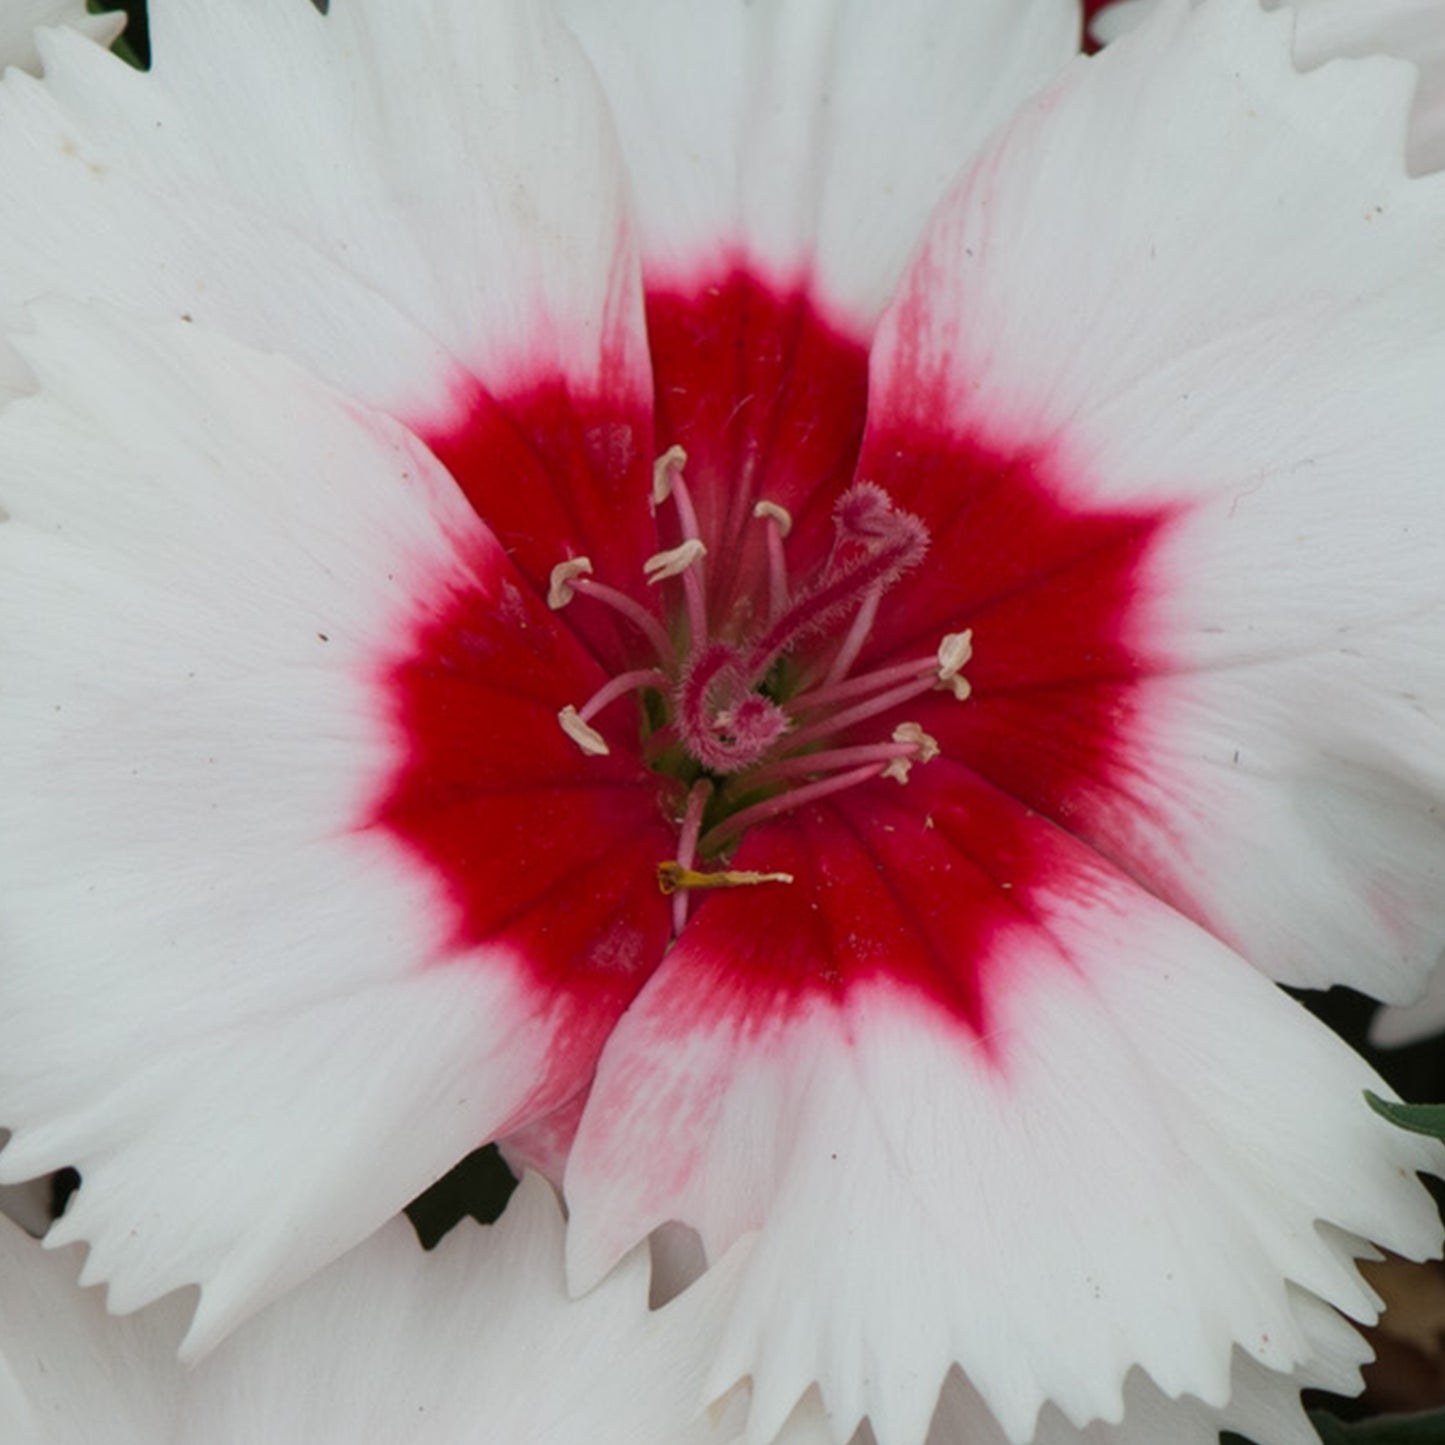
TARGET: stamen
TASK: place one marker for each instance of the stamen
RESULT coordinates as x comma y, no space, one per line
673,878
673,562
668,465
684,561
922,749
857,636
781,524
773,512
559,588
740,822
954,651
922,669
697,800
838,721
575,721
587,738
668,481
801,765
635,613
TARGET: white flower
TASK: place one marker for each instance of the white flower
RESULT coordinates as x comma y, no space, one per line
1072,461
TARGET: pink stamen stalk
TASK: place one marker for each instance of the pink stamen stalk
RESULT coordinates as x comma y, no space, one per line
777,570
785,802
686,512
860,686
634,611
831,760
838,721
687,846
620,685
696,605
857,636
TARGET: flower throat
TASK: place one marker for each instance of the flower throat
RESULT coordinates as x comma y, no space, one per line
758,720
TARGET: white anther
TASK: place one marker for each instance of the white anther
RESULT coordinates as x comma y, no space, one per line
675,561
914,735
954,652
585,736
559,588
775,513
925,750
673,460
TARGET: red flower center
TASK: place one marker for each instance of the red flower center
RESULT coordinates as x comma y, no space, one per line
744,644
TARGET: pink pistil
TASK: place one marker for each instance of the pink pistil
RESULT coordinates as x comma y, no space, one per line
845,584
723,723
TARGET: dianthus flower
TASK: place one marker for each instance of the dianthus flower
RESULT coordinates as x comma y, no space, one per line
794,611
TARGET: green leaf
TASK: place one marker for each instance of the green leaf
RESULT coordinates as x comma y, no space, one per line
1426,1429
1417,1118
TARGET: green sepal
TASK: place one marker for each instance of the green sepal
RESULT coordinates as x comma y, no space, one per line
1417,1118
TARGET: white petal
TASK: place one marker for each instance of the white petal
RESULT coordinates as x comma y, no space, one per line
1263,1404
20,19
476,1339
227,998
1412,30
1272,400
1409,1023
1128,1170
419,190
69,1373
808,142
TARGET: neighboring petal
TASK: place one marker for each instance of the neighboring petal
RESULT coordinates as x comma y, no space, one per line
20,19
1328,29
285,816
1413,30
389,1343
70,1374
477,1339
1408,1024
988,1103
427,196
1263,1405
808,143
1264,413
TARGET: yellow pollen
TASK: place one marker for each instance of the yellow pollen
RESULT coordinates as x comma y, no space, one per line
673,876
